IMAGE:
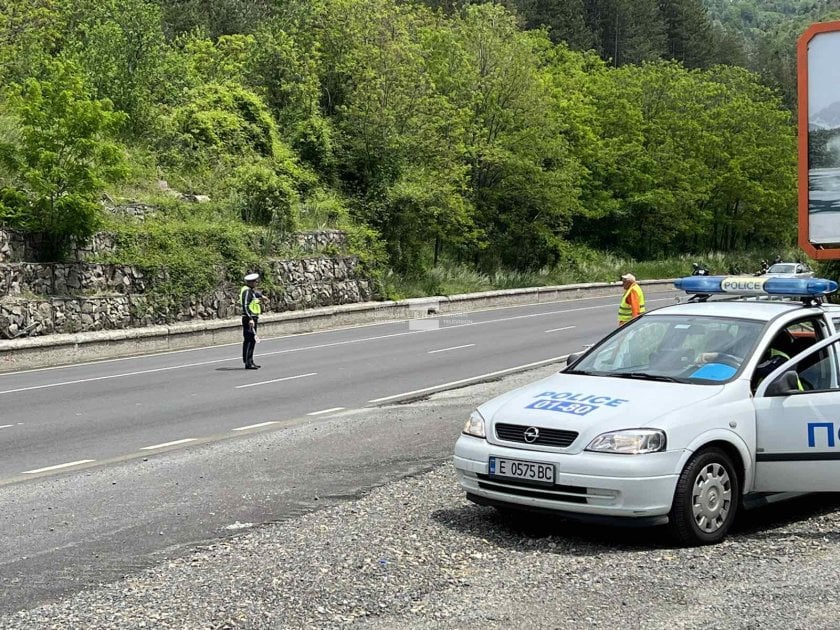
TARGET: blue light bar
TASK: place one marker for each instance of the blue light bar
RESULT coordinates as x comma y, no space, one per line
756,285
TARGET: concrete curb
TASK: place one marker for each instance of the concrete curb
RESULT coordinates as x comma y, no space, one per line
52,350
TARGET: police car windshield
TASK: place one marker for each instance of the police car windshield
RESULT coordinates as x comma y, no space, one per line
678,348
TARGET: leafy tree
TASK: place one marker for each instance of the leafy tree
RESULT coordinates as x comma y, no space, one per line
62,158
523,177
119,47
215,17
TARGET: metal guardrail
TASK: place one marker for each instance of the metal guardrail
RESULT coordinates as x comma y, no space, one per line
60,349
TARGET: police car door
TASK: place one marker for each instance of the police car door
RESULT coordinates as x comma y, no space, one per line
797,442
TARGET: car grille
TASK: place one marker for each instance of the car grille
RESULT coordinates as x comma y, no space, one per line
567,494
548,437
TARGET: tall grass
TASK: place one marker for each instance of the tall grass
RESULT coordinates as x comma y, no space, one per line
587,266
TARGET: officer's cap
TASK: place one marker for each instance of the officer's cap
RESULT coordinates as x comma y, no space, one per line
251,277
629,277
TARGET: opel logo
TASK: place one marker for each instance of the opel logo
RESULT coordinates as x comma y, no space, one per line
532,434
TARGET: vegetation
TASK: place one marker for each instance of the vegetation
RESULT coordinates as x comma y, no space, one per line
505,139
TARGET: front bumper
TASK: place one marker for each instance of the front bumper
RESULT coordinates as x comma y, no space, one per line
597,484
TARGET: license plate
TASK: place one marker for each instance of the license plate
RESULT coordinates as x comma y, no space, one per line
532,472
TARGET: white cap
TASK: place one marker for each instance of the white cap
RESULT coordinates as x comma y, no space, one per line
629,277
251,277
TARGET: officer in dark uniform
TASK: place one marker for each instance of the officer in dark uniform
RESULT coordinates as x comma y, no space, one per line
249,302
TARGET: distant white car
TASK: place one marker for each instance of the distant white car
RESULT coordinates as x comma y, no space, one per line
682,416
789,270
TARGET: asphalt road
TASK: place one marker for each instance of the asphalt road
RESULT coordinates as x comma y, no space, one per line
108,467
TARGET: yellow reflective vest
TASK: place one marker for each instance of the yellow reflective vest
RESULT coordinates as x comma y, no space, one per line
625,311
252,308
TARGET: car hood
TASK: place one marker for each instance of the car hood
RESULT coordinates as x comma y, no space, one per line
591,405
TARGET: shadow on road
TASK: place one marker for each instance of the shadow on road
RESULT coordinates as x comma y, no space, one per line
548,533
765,522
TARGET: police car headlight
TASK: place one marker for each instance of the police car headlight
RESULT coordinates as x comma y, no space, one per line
475,425
629,442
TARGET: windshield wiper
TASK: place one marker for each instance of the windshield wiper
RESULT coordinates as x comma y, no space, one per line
583,373
647,377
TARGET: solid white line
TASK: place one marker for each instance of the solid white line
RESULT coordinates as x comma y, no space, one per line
255,426
469,345
165,444
315,347
276,380
472,378
110,376
6,426
559,329
323,411
58,467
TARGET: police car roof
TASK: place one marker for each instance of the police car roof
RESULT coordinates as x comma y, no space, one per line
757,309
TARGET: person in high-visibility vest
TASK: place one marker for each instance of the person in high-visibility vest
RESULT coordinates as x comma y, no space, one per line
633,302
773,357
251,306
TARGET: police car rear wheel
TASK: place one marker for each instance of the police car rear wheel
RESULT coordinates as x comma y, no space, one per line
706,499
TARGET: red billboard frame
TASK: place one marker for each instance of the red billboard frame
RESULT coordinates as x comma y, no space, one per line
817,252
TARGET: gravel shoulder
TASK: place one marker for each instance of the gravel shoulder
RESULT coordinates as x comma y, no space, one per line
415,554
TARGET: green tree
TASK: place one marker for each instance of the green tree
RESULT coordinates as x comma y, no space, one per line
689,32
62,158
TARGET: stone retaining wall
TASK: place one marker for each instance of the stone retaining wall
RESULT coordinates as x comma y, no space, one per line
301,284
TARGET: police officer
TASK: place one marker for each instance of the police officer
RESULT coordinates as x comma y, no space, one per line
633,302
249,302
773,357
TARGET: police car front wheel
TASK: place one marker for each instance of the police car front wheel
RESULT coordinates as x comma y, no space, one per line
706,499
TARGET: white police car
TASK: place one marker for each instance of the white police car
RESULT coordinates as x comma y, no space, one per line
685,415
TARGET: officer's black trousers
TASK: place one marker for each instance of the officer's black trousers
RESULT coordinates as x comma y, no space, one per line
249,340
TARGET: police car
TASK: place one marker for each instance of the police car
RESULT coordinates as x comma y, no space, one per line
684,416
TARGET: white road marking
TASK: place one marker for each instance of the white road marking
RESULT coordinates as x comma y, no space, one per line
468,345
165,444
323,411
276,380
256,426
315,347
559,329
470,379
302,334
111,376
57,467
6,426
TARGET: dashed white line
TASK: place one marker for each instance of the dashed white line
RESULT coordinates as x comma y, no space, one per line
276,380
256,426
468,345
559,329
6,426
57,467
469,380
165,444
323,411
289,350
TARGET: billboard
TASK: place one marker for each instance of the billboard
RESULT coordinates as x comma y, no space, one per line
819,140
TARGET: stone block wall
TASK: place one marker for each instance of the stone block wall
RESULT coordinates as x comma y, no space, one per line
43,299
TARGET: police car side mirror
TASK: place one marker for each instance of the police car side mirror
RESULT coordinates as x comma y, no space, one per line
785,385
573,357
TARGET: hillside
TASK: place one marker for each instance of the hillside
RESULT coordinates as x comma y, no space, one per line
434,132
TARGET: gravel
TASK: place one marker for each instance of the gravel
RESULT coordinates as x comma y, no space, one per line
415,554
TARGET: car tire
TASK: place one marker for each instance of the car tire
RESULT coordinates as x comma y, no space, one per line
706,499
